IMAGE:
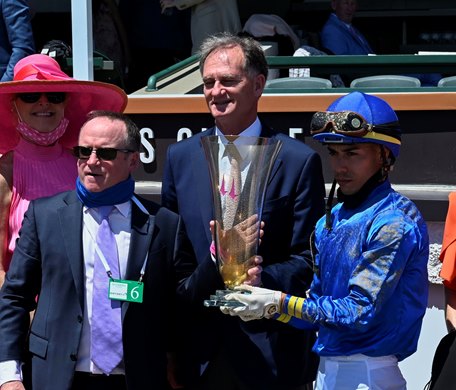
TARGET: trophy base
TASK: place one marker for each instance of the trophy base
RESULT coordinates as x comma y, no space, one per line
219,300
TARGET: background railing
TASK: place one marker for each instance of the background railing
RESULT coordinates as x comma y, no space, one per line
324,66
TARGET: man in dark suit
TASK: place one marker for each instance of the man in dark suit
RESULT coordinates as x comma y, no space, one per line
232,354
56,257
338,35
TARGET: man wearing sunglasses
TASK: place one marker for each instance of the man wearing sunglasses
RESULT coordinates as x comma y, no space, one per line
369,293
106,267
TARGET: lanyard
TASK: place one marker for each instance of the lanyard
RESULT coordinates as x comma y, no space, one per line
102,256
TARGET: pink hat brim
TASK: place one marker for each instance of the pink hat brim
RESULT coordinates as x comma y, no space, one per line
83,97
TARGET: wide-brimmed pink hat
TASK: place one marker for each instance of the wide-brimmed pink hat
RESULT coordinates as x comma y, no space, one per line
41,73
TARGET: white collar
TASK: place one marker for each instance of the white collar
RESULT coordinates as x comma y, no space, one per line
254,130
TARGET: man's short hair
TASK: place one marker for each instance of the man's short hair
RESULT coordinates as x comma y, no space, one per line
255,60
133,138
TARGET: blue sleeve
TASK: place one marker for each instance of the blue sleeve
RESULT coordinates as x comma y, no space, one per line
390,244
16,16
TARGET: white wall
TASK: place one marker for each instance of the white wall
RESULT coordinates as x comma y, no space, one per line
417,368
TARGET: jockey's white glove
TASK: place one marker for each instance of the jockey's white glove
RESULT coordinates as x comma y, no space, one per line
257,303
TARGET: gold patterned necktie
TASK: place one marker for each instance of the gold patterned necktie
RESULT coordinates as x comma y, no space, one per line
231,188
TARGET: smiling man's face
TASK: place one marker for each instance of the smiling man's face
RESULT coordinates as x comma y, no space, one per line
231,94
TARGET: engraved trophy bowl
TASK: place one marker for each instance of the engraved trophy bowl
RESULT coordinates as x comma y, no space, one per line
239,169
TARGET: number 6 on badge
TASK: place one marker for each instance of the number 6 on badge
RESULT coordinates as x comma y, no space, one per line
126,290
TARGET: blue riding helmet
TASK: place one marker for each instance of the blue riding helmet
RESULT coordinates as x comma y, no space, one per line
356,118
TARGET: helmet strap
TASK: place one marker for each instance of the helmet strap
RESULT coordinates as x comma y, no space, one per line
328,206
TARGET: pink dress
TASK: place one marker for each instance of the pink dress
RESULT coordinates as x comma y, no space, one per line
37,172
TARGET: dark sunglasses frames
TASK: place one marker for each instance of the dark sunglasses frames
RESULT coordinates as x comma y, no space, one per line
107,154
33,97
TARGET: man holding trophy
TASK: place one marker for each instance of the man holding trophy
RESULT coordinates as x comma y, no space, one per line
226,353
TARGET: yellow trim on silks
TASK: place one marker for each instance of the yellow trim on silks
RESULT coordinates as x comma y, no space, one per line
284,318
298,307
291,305
382,137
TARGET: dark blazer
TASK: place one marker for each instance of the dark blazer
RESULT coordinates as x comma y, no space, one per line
337,39
267,354
48,261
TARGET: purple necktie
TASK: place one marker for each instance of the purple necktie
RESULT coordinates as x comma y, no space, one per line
106,343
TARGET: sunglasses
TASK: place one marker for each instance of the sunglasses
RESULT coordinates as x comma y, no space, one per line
106,154
33,97
342,122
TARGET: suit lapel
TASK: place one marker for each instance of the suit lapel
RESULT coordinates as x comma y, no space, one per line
72,240
202,180
142,226
353,33
269,133
141,236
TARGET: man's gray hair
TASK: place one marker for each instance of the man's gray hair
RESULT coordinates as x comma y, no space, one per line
255,60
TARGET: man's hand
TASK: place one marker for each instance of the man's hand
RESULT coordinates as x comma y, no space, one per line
238,244
258,303
246,230
254,273
13,385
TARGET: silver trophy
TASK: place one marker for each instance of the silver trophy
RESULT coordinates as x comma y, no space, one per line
239,169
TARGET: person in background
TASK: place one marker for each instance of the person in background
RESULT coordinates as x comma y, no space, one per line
338,35
209,17
16,36
42,110
225,353
110,38
111,271
370,288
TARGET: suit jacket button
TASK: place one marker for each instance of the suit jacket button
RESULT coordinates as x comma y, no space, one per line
73,357
80,319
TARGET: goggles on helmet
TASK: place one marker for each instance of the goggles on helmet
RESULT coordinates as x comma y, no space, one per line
342,122
352,124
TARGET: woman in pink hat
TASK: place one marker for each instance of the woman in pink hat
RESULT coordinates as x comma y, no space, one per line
42,110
